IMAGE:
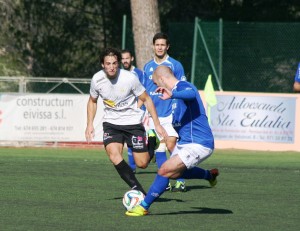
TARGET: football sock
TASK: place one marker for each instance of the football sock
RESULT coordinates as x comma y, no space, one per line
131,159
161,154
180,179
128,176
151,146
196,173
156,189
161,157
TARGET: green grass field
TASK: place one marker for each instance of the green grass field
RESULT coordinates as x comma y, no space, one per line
78,189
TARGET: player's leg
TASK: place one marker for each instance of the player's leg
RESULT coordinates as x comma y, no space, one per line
161,154
180,182
172,168
197,153
153,142
114,143
131,159
200,173
136,138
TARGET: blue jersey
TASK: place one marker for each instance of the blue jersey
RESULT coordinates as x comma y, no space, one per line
297,76
138,73
189,117
163,107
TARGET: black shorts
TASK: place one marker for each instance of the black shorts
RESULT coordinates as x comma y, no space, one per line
134,136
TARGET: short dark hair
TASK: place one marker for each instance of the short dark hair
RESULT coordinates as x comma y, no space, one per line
161,35
110,52
127,51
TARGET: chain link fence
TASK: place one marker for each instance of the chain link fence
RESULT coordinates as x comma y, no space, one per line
241,56
246,56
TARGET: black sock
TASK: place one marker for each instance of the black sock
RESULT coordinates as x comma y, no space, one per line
128,176
151,146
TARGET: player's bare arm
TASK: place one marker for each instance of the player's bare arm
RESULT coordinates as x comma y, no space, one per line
297,87
145,98
91,112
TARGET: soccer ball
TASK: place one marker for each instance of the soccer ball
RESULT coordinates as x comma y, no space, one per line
132,198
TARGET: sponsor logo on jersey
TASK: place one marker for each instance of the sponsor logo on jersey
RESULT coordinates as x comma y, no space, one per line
154,93
177,124
122,104
109,102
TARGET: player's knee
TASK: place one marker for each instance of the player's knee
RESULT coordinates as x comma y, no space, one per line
163,171
142,164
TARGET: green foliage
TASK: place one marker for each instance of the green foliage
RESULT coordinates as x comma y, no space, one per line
63,38
79,189
60,38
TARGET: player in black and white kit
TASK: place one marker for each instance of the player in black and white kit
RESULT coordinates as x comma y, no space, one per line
122,121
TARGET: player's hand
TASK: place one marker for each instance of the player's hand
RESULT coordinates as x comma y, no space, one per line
166,94
89,133
161,132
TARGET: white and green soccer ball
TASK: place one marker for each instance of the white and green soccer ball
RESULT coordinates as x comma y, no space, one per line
132,198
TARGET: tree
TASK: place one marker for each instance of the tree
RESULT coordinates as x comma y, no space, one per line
145,23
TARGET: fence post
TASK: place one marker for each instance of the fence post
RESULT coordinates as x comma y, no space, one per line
22,85
220,50
194,52
124,32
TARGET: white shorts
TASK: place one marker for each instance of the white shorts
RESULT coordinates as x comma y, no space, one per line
191,154
166,122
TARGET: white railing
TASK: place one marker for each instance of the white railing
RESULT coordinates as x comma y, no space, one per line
19,84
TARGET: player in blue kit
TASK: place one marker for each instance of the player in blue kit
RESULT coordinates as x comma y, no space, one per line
195,143
161,45
297,80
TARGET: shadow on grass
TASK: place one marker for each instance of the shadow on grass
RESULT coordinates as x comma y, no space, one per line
197,187
145,172
199,210
158,200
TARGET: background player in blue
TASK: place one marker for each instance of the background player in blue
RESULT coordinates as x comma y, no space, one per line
297,80
196,141
127,63
161,45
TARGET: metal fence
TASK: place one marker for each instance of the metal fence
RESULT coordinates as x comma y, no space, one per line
241,56
11,84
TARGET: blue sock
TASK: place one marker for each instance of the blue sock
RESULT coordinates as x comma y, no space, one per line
180,179
161,157
157,188
196,173
131,159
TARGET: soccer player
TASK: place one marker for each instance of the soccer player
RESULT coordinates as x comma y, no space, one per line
297,80
122,120
161,46
127,63
196,141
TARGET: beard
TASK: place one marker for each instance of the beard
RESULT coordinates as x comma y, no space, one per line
127,66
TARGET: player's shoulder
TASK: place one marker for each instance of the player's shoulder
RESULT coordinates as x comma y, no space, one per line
127,74
138,71
185,84
98,76
172,60
149,65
